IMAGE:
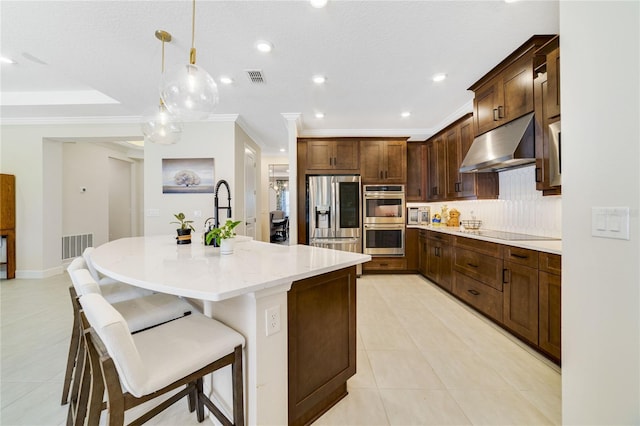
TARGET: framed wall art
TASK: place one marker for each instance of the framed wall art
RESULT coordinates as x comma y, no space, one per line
188,176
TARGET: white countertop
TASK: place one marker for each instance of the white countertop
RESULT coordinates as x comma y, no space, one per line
193,270
547,246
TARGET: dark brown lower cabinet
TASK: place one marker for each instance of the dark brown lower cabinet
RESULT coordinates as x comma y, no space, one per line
322,343
550,298
520,296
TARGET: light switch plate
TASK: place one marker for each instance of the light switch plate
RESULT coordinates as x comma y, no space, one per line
610,222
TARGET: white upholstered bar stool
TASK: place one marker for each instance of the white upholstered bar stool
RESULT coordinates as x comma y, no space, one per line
139,367
141,312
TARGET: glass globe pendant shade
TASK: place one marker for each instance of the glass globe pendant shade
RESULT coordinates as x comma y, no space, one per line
190,93
161,127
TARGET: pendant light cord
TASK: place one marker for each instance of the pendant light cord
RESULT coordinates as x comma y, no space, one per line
192,53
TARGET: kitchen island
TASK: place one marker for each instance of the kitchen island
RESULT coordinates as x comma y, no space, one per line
252,291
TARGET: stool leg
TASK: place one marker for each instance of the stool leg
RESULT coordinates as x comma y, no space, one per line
74,345
199,400
238,388
192,398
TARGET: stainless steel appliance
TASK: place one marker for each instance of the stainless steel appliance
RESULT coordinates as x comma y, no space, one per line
384,220
386,239
555,154
334,212
384,204
418,215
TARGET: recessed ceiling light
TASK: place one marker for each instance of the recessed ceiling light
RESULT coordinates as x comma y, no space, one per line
319,79
406,114
226,80
5,60
318,4
439,77
264,46
283,150
319,114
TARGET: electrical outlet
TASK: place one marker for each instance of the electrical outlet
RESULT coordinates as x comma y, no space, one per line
273,320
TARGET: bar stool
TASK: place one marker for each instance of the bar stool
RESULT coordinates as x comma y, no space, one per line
140,313
112,290
135,368
100,279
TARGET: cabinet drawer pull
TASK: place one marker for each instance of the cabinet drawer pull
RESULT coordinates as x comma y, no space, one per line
495,114
384,264
519,256
419,193
472,265
380,174
506,276
500,111
474,292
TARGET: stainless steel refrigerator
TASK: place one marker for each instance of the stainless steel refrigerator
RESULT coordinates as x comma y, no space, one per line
334,211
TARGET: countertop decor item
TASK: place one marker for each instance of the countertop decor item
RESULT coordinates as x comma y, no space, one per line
220,237
184,232
471,224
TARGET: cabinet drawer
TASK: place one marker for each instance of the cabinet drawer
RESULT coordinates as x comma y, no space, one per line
485,247
485,269
439,236
386,264
522,256
486,299
551,263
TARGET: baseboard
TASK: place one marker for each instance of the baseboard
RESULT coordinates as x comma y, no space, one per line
36,275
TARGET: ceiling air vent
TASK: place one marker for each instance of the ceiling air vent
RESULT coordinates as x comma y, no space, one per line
255,76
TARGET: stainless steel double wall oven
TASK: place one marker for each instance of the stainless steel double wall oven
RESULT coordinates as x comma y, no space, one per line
384,220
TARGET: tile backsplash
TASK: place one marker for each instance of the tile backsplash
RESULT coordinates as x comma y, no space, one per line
520,208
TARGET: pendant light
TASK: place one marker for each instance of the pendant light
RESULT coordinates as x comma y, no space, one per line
162,127
190,92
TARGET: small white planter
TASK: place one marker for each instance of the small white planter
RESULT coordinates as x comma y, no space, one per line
226,246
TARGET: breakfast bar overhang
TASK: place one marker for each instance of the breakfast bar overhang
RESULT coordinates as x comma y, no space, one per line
310,289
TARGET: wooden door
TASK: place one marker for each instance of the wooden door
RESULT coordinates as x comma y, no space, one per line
550,297
371,153
487,99
416,172
517,89
395,160
346,155
320,155
423,252
520,309
436,158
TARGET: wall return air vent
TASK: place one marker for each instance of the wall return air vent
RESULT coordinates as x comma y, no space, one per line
255,76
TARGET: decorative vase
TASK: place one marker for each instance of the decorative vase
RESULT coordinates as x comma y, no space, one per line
226,246
184,236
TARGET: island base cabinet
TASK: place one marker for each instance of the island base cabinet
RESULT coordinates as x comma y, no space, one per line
322,343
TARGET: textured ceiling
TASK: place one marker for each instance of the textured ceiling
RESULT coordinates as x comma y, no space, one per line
378,57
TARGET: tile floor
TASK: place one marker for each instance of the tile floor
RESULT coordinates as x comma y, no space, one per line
423,359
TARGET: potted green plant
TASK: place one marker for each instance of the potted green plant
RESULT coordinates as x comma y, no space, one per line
184,232
219,237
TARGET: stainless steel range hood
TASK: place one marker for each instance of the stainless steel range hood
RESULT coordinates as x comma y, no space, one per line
508,146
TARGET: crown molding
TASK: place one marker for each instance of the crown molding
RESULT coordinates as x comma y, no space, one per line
311,133
18,121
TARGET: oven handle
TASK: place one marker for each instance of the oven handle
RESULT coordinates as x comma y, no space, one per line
384,226
374,196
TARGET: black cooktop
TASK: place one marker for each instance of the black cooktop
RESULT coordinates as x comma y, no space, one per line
509,236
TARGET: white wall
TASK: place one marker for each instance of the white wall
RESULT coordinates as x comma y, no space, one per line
86,164
600,89
199,140
23,155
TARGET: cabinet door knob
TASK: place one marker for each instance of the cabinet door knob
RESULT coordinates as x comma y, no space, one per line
474,292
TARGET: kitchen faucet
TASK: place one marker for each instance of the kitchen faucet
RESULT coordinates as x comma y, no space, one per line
216,208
